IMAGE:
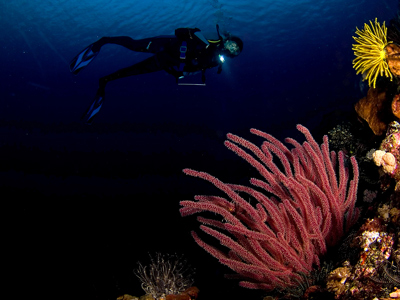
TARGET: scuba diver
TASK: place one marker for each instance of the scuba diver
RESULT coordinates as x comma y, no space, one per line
186,52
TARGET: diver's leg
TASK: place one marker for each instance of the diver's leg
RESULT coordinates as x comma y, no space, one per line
147,66
90,52
151,45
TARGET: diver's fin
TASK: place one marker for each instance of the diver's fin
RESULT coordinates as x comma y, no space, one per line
93,109
82,59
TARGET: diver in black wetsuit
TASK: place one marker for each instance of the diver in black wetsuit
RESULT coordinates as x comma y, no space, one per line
188,51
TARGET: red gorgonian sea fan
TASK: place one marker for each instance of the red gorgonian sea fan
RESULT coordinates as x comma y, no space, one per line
303,208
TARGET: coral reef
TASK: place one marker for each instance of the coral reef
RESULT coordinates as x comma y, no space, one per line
280,238
375,273
385,160
370,52
167,277
375,56
393,50
310,284
396,106
375,109
341,139
395,294
388,155
337,279
189,294
370,266
393,58
277,237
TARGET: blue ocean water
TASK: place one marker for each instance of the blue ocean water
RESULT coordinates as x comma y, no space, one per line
87,202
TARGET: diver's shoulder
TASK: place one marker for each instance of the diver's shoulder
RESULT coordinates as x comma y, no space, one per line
211,36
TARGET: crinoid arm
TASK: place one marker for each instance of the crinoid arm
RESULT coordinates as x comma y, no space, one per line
370,52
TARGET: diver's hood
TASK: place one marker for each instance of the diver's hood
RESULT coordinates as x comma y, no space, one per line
233,46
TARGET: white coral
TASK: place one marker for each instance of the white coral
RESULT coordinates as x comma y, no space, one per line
385,159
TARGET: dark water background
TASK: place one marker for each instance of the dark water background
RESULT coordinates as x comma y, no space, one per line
82,204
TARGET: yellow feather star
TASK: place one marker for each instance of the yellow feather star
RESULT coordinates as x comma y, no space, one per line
370,52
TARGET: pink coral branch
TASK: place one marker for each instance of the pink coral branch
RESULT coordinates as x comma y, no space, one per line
300,212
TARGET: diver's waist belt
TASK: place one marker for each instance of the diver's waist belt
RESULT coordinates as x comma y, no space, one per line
182,50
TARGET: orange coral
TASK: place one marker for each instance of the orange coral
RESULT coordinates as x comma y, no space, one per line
393,58
188,294
395,294
396,106
373,109
336,281
127,297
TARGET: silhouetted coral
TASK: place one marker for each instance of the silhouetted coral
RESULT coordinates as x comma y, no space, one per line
165,275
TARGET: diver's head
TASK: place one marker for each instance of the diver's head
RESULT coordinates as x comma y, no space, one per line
232,46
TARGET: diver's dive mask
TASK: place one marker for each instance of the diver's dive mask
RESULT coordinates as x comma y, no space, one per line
232,47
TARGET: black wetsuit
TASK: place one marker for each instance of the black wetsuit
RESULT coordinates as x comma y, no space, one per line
185,52
167,56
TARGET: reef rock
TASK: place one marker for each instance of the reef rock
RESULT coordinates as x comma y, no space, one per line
396,106
375,109
388,155
393,58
